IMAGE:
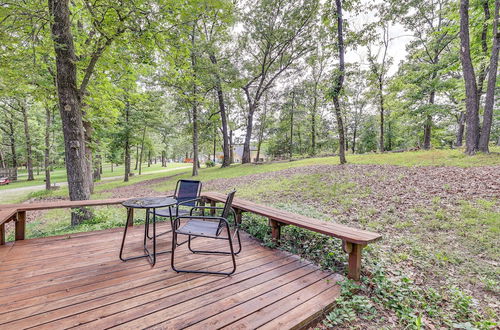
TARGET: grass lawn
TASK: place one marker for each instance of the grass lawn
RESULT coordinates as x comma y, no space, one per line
438,211
59,175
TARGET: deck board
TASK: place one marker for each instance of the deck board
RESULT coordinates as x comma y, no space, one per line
62,282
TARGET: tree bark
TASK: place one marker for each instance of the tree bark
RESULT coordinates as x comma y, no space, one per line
142,149
223,115
262,128
490,91
29,152
381,100
231,150
472,114
2,159
136,158
13,152
195,138
248,135
484,47
313,119
337,88
427,132
46,154
195,104
87,135
127,143
461,129
69,106
291,125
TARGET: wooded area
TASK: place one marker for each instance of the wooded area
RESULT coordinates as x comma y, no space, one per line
89,82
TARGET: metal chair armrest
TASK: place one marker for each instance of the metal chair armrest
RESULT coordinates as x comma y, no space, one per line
189,201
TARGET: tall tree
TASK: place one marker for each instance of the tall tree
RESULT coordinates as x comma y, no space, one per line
379,72
492,77
339,80
471,101
69,105
276,34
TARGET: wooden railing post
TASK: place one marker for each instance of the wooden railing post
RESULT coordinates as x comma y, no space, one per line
130,217
354,265
2,234
275,230
20,225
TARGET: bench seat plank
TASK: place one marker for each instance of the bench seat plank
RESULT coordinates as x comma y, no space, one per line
346,233
61,204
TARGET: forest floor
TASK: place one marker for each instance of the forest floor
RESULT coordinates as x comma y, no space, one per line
438,264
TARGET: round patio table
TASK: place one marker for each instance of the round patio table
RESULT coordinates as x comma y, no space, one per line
148,204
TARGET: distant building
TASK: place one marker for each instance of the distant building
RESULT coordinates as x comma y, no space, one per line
238,154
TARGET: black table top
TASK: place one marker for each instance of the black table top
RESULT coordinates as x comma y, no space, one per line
149,202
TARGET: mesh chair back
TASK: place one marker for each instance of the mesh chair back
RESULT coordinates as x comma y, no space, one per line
187,190
229,202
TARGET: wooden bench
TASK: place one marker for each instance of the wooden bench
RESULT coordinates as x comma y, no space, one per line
353,239
17,212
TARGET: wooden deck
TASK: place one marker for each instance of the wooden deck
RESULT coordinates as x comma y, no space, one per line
62,282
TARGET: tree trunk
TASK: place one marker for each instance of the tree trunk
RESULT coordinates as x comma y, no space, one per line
223,115
261,131
313,120
337,89
248,136
490,92
2,159
136,158
88,161
291,125
127,143
69,106
149,158
97,168
46,154
142,149
472,114
195,105
29,152
215,141
231,150
346,133
427,132
460,130
484,47
12,139
195,138
381,100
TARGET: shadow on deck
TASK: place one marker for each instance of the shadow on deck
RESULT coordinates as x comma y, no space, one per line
78,280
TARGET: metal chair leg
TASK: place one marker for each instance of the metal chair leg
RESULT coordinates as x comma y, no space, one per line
174,244
216,252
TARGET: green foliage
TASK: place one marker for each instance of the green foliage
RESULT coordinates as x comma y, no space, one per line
209,163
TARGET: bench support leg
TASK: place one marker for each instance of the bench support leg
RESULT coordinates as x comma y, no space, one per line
354,266
20,225
275,230
2,234
212,204
239,216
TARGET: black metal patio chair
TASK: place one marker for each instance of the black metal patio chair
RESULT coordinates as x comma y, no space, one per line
216,227
187,194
